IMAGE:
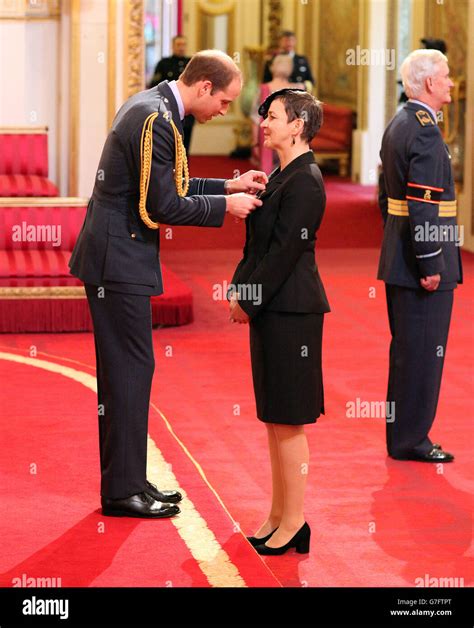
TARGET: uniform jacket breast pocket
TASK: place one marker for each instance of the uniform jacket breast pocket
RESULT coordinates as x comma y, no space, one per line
130,257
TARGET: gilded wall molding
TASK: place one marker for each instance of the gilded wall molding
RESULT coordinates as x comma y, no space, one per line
449,21
43,292
201,30
391,76
43,201
275,11
134,45
342,27
74,109
363,70
23,130
468,205
28,9
111,60
216,7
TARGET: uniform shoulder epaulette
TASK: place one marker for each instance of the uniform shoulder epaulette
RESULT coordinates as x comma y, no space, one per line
424,117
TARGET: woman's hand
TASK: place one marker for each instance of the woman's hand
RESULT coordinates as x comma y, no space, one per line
237,314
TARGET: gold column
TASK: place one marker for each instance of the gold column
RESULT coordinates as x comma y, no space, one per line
274,22
391,77
362,70
466,209
74,96
418,23
134,46
111,60
311,27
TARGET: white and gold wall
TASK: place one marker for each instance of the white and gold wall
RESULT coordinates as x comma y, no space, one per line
70,64
29,69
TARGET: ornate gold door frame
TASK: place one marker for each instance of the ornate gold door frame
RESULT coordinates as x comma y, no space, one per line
208,9
134,46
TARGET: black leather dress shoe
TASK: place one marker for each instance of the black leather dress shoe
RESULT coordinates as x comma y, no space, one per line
437,455
169,497
434,455
139,505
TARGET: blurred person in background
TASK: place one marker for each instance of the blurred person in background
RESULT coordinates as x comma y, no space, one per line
301,70
281,67
170,69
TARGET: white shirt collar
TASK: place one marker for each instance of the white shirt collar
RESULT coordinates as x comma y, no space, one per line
174,88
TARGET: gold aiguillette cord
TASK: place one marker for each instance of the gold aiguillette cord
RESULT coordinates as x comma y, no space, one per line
181,172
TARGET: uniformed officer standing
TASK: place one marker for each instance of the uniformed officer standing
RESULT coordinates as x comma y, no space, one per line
142,181
420,260
301,68
170,69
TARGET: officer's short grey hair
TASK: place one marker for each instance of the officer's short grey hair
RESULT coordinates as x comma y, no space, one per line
417,67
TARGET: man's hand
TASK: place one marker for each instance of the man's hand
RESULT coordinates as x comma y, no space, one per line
240,205
251,182
237,314
430,283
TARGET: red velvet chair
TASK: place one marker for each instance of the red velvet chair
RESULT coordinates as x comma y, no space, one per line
37,293
24,162
334,140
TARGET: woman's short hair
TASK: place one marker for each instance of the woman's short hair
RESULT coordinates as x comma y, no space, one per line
301,104
417,67
211,65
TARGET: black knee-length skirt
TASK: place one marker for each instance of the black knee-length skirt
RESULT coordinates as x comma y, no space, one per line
285,350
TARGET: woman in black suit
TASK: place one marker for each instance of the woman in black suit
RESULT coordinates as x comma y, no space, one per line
277,289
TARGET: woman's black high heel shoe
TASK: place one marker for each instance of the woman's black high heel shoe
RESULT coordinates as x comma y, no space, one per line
300,542
254,541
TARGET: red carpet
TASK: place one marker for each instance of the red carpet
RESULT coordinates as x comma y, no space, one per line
375,522
50,487
351,220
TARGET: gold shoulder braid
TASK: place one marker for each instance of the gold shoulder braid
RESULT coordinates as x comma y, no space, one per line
181,172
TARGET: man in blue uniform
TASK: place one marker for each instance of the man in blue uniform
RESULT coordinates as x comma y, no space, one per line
142,181
420,261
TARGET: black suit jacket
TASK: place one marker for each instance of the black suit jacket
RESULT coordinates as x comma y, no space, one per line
280,243
115,249
301,71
